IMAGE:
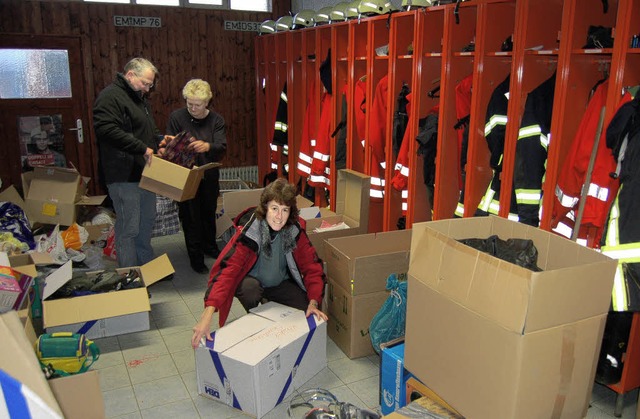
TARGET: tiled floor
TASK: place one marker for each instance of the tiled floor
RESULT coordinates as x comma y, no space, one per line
151,374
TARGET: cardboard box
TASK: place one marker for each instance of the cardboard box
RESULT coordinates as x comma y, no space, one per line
424,407
52,194
393,377
18,360
9,288
234,202
349,318
102,314
172,180
79,395
498,340
259,359
414,387
352,208
362,263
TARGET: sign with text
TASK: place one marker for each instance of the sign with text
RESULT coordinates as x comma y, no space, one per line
238,25
138,21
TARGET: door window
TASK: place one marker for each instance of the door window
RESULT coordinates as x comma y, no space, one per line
34,74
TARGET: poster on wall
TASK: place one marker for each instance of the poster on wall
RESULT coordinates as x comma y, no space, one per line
41,141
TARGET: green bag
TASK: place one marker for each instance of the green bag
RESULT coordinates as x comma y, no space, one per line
66,353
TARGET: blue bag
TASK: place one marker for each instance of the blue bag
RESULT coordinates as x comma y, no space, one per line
389,322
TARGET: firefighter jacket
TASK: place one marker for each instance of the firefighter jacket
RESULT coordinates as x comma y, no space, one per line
377,138
308,140
320,169
622,234
602,188
463,113
531,151
401,168
280,138
494,132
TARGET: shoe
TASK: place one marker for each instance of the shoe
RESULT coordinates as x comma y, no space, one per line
200,268
212,253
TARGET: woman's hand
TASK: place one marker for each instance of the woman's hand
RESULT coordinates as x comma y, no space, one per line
202,329
199,146
313,309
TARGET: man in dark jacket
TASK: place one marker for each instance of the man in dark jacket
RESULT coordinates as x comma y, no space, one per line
126,135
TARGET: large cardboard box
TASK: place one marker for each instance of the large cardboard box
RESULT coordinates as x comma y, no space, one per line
79,395
362,263
499,341
52,194
349,318
103,314
18,360
172,180
256,361
352,208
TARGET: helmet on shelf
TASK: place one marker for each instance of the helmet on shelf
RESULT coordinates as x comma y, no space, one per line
338,13
268,26
351,11
322,15
408,4
375,7
304,19
284,23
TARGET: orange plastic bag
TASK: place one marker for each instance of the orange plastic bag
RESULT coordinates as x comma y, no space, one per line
74,237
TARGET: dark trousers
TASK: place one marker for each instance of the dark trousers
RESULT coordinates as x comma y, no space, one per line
198,220
250,293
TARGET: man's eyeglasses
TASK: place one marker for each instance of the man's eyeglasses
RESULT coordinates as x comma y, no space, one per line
146,84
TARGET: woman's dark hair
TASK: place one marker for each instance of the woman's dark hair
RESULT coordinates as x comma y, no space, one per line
284,193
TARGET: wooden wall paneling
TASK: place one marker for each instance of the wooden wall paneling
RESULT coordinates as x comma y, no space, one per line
191,43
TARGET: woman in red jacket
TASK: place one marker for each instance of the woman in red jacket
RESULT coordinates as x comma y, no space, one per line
270,259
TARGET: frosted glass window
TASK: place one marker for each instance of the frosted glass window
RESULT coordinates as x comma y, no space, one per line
110,1
254,5
160,2
34,74
209,2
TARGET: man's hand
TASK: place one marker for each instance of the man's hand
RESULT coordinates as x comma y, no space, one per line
199,146
148,155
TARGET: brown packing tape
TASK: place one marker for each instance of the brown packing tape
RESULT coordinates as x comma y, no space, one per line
567,364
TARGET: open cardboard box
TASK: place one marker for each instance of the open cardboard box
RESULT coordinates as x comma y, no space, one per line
103,314
256,361
172,180
497,340
352,208
52,194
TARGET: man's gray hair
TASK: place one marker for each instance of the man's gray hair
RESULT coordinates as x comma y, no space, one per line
138,65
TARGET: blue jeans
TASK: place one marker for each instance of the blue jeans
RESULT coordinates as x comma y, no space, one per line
135,215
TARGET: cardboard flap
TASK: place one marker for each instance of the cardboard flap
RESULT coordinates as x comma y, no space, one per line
91,200
11,195
157,269
303,202
256,347
237,331
165,172
55,184
18,359
207,166
56,279
234,202
353,195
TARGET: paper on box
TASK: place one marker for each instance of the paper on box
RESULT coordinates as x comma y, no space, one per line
256,361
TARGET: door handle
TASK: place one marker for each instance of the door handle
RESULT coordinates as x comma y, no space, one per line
79,131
